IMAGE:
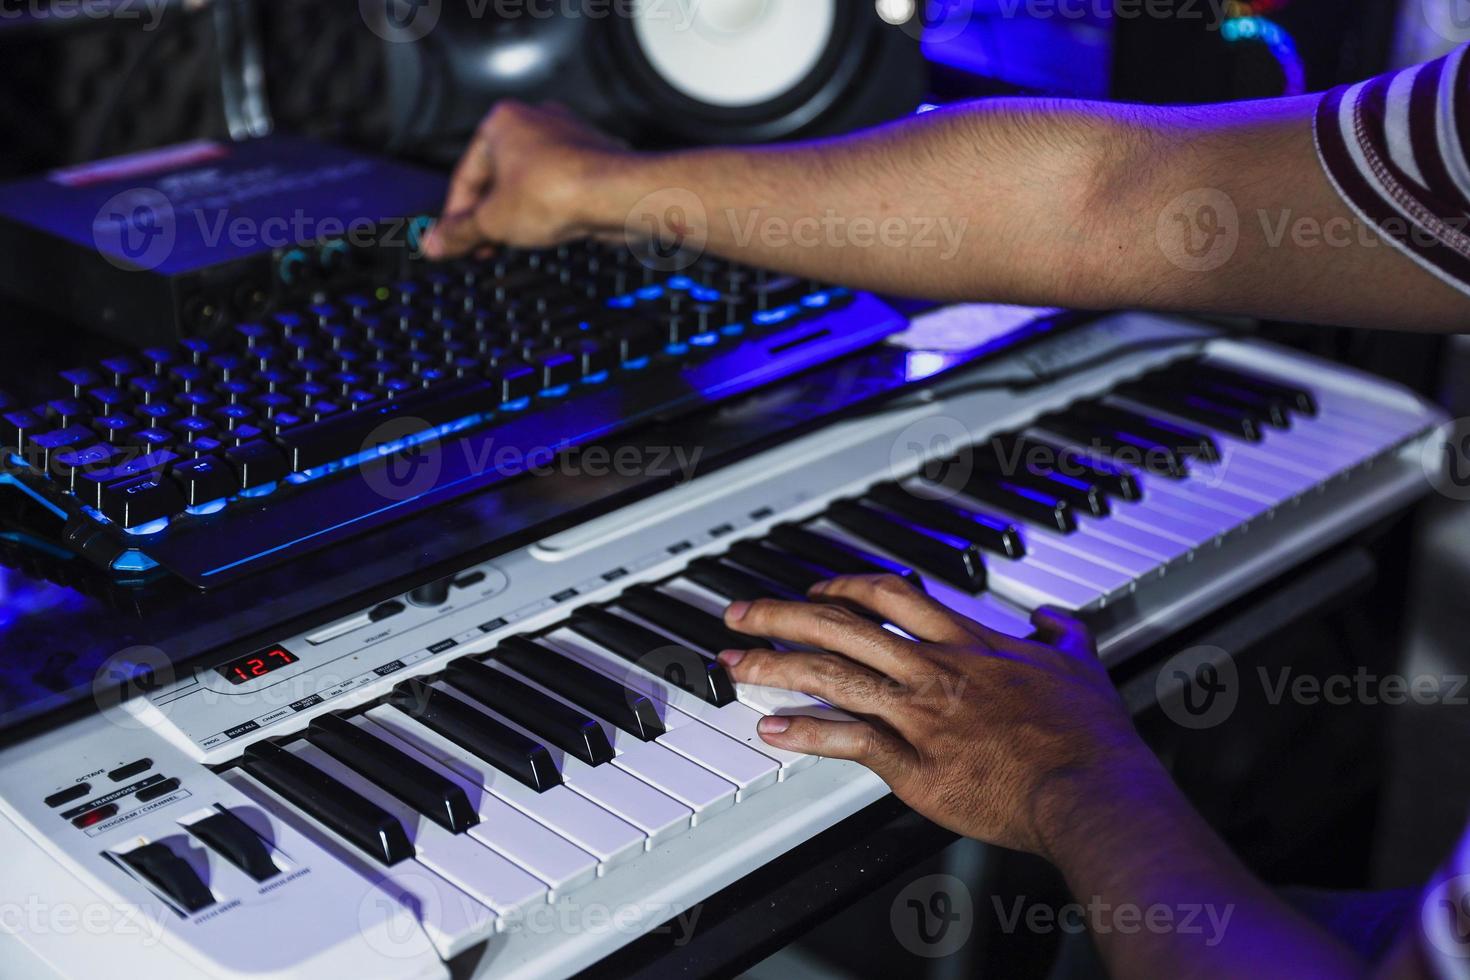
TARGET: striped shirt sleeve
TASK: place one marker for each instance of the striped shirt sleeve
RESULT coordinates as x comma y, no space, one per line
1398,150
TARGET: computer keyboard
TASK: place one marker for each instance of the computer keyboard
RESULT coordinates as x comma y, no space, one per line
219,455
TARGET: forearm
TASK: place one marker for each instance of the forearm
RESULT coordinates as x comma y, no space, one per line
1170,899
1216,209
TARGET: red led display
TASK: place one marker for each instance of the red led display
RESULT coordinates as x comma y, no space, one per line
256,665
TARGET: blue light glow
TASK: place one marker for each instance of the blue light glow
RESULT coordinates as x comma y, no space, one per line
649,293
205,509
8,480
705,340
622,302
596,379
557,392
681,283
264,490
677,350
133,561
520,404
704,294
637,364
152,527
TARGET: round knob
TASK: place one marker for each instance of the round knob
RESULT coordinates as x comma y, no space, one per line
434,594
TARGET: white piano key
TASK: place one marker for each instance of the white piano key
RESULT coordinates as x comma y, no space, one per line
1249,470
987,609
698,789
738,755
1202,490
458,858
608,838
1160,495
451,921
609,787
1078,567
550,857
1085,542
1164,519
1116,529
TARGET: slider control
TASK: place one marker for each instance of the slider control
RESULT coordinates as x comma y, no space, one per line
170,874
228,835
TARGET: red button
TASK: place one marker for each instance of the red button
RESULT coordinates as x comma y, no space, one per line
92,817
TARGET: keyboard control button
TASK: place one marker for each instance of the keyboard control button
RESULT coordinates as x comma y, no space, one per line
170,874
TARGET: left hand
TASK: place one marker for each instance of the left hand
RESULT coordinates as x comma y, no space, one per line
995,738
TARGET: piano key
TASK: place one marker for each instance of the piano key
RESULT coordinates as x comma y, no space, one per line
606,837
1187,441
722,739
360,822
1113,480
437,798
1116,445
1168,519
1301,399
734,584
1023,582
557,862
1265,408
1212,488
700,791
841,558
766,700
619,793
452,922
1118,529
1198,409
953,559
1086,543
788,571
689,623
679,665
507,750
994,534
629,711
1025,501
464,862
546,718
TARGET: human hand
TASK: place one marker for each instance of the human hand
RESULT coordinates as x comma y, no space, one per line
993,737
530,179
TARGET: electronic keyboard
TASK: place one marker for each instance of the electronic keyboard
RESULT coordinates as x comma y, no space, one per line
521,767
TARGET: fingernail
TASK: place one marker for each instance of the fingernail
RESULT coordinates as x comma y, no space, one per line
737,611
819,588
773,725
732,657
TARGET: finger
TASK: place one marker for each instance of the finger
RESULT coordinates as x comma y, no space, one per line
475,171
856,741
1065,632
835,679
826,627
903,604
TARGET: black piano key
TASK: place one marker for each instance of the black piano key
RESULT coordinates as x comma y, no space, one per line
441,800
953,559
1118,446
1086,497
680,666
687,622
1109,478
567,728
735,584
837,555
471,729
1196,408
366,825
1299,398
1184,440
228,835
788,571
1266,408
632,712
995,534
1027,503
